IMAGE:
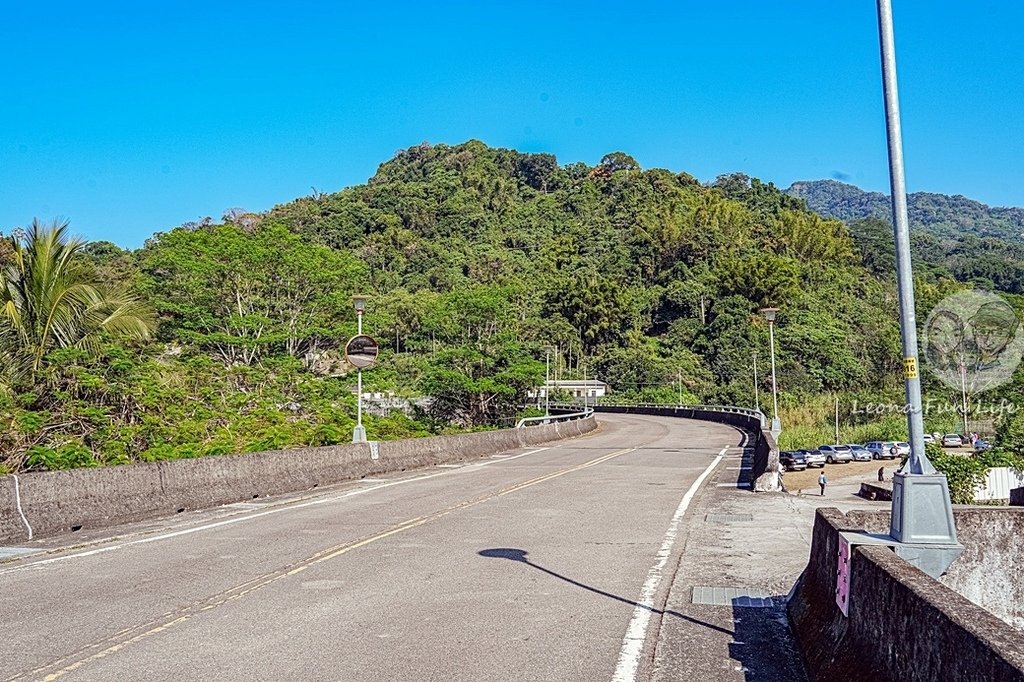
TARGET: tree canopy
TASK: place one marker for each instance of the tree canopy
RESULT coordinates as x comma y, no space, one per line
475,260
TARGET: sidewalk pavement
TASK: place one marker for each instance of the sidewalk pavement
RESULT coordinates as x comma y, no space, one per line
752,547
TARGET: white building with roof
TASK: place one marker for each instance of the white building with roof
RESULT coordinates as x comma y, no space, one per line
577,388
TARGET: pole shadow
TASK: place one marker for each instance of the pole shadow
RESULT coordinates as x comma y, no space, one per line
762,644
519,555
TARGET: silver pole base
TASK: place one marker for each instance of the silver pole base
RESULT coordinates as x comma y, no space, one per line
359,434
921,510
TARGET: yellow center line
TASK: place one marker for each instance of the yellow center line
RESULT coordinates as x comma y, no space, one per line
170,619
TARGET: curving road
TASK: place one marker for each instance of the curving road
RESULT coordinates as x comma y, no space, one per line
528,565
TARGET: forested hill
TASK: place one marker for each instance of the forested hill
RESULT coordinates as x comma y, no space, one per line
479,262
649,277
940,214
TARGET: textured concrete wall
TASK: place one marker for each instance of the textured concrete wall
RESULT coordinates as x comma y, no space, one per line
59,501
765,470
989,571
902,624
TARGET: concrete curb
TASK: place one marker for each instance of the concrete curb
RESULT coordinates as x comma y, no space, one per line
54,502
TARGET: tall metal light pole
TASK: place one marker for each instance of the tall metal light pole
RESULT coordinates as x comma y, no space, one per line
359,432
963,391
757,399
769,314
547,381
921,509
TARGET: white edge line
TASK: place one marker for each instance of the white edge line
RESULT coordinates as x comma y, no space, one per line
249,517
636,633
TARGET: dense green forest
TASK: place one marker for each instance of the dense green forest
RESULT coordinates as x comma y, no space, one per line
942,215
226,337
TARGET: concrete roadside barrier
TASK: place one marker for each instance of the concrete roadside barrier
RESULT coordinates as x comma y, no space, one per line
765,468
55,502
900,624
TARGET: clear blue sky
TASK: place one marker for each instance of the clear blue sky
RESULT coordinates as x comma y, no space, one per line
129,118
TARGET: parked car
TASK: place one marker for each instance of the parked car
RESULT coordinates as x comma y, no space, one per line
860,453
929,438
882,449
904,449
981,445
793,460
836,453
952,440
814,458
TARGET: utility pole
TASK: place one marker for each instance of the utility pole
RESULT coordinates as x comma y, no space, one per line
837,420
586,389
679,378
963,391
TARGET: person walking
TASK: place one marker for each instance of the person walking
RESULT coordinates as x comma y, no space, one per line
822,481
881,474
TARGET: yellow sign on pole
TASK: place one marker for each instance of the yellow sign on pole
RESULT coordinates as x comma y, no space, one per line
910,368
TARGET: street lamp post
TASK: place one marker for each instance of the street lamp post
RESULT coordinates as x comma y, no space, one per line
547,381
769,314
359,432
921,511
757,399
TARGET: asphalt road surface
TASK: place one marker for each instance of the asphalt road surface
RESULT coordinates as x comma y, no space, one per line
542,564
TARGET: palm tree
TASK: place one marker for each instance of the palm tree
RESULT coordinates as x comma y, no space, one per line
49,299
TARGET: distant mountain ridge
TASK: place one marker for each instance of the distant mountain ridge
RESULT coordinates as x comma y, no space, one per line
940,214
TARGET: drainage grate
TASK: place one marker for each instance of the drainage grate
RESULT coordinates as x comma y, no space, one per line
731,596
11,552
728,518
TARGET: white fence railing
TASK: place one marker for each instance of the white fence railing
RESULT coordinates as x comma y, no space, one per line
998,483
547,419
728,409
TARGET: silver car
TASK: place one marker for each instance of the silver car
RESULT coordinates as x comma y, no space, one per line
814,459
836,453
883,449
860,453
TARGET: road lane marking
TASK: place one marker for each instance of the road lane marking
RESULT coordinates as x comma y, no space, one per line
123,638
636,632
242,518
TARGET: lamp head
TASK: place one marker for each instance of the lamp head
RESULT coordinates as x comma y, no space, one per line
359,302
769,313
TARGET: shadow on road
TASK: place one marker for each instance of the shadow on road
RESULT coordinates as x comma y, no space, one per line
761,646
520,556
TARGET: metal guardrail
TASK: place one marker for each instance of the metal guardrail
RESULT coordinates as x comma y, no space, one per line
727,409
547,419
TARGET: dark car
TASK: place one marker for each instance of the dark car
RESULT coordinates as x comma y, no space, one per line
793,460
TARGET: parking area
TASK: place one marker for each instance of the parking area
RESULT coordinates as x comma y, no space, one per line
859,471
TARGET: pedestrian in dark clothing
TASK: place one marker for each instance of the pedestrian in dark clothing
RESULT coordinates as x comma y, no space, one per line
822,481
881,474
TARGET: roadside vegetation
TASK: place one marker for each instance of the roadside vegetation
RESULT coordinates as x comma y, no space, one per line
226,336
